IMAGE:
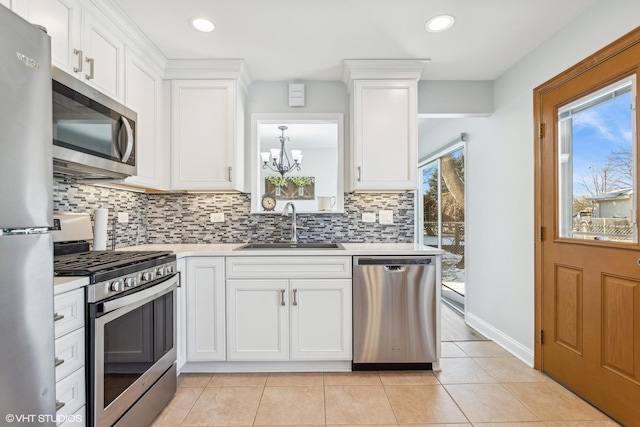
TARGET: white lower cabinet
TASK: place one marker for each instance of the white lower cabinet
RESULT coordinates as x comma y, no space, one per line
205,309
181,316
257,320
69,327
294,318
320,319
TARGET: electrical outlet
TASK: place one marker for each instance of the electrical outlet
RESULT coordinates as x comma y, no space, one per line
368,217
123,217
217,217
385,217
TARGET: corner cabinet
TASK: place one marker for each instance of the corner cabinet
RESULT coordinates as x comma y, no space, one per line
288,308
205,309
384,135
143,94
207,136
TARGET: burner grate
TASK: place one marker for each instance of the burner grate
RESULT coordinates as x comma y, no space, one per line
90,263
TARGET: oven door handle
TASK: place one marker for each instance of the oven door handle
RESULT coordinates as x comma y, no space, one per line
146,294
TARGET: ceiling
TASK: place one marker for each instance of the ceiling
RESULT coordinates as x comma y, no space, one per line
308,39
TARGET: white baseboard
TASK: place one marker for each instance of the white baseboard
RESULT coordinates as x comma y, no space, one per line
512,346
208,367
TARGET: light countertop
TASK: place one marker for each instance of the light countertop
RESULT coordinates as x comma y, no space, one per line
66,284
228,249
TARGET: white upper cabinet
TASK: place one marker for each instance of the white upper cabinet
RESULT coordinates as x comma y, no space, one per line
207,118
384,133
103,57
143,94
63,21
21,7
84,43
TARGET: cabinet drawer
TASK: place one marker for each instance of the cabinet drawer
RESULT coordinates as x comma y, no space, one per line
71,391
69,353
292,267
75,420
68,311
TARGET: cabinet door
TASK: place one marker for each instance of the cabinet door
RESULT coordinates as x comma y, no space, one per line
62,19
205,309
385,135
320,319
143,94
104,57
257,320
204,135
181,316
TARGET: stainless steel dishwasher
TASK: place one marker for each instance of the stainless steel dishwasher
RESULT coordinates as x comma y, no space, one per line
394,312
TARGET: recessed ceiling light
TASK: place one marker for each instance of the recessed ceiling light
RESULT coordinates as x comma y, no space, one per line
202,24
439,23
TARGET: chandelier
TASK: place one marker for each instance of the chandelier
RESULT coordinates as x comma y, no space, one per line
279,159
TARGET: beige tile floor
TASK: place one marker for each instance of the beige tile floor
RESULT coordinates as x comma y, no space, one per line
480,385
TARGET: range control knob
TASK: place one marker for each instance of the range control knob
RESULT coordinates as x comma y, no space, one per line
169,269
117,286
147,275
130,282
160,271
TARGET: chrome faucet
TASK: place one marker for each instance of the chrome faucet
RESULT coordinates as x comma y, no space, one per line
285,212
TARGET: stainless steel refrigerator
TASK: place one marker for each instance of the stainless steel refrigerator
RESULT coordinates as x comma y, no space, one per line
27,373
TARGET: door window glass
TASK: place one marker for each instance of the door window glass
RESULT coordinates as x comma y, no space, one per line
443,219
596,165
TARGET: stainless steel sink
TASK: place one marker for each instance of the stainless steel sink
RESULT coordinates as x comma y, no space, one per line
282,246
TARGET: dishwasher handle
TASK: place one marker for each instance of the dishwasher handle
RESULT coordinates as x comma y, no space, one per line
395,268
393,262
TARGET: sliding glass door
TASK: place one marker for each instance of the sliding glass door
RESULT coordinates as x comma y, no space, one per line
442,217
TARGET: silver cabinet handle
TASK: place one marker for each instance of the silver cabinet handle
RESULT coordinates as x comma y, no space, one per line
230,173
57,317
78,52
281,296
91,64
295,294
129,147
58,362
59,405
359,173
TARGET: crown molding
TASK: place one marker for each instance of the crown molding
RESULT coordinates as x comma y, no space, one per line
140,40
232,69
382,69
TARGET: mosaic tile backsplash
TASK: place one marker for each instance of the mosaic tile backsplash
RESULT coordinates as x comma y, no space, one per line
69,196
185,218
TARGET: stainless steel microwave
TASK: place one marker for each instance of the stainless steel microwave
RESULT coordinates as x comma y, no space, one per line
93,135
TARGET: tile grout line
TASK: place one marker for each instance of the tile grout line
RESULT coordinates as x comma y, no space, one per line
384,388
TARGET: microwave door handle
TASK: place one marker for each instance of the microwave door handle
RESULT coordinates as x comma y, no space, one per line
130,142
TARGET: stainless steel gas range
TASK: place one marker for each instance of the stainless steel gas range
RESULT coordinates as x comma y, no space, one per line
131,306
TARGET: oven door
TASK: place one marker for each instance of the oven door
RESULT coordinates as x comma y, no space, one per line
133,343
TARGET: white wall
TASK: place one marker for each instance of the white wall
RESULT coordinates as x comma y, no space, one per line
499,177
454,97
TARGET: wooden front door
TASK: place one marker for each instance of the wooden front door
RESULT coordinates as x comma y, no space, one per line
588,256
